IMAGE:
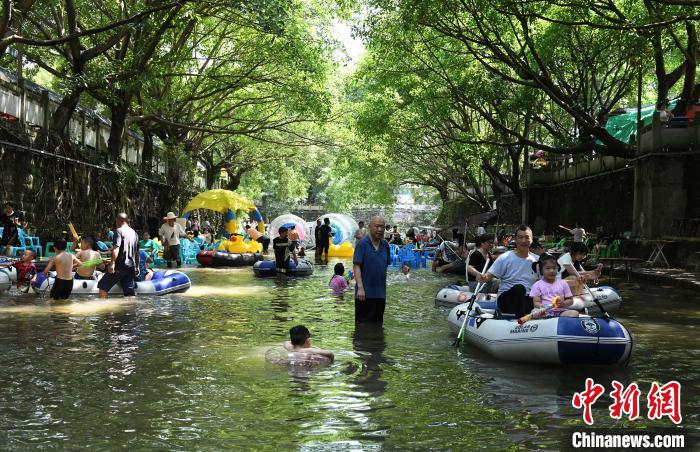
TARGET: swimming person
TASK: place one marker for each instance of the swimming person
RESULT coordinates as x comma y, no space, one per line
300,342
550,287
338,282
63,262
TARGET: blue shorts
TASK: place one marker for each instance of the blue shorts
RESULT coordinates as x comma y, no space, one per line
127,279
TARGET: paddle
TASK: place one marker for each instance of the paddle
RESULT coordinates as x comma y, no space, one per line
600,306
540,312
74,233
479,286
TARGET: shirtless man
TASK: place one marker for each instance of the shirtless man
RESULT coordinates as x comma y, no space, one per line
64,262
301,343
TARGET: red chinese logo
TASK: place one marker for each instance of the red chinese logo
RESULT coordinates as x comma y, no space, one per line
625,401
587,398
663,401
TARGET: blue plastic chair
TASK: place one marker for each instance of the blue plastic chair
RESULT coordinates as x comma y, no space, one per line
394,254
19,250
32,243
188,251
408,255
213,246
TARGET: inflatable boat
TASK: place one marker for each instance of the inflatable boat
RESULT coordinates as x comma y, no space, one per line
8,277
162,283
215,258
269,268
608,297
559,340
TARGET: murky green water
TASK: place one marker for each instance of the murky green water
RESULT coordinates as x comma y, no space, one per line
187,372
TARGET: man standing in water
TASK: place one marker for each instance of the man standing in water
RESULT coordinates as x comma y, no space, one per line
370,261
360,233
125,260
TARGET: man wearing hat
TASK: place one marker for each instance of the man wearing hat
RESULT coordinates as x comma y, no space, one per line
170,233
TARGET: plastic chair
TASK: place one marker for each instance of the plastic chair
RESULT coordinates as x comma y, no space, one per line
32,243
394,254
408,255
188,251
614,249
213,245
49,250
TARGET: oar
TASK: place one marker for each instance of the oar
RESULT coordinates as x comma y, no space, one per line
600,306
540,312
479,286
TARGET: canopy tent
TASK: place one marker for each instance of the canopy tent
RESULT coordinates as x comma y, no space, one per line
228,203
623,125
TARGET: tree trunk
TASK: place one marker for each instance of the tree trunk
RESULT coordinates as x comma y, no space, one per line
62,115
147,154
116,131
234,180
688,93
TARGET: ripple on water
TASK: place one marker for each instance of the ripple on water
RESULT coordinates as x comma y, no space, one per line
183,370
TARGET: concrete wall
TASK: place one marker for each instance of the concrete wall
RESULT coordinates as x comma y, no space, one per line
606,199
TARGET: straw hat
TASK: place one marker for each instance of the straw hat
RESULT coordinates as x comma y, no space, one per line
170,216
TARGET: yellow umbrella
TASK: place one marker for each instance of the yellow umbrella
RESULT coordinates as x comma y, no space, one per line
219,200
228,203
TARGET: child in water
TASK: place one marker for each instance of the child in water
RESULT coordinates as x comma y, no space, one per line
545,290
338,282
25,270
300,342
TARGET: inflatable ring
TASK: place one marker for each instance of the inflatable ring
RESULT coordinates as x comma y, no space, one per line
279,356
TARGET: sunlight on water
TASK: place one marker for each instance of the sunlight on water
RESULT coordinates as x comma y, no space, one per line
82,306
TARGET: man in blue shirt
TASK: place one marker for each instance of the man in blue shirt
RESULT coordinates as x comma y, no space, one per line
370,261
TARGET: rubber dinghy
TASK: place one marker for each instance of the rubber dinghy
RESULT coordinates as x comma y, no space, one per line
559,340
269,268
225,259
162,283
608,297
8,277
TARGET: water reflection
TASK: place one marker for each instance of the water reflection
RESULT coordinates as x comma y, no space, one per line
163,372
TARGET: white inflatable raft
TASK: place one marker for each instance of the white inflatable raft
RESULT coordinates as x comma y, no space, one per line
559,340
162,282
608,297
8,277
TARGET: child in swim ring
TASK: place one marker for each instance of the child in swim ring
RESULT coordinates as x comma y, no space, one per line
548,288
300,342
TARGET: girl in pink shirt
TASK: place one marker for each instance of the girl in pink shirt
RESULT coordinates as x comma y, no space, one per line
545,290
337,282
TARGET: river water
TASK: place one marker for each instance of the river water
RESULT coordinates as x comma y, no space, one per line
187,371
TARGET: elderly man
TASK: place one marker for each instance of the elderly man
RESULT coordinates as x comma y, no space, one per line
125,260
370,261
170,233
